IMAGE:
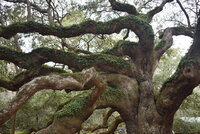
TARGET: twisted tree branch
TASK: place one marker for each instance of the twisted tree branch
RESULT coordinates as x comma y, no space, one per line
54,82
40,56
167,40
182,82
142,29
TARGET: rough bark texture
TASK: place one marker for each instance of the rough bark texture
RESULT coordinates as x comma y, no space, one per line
124,85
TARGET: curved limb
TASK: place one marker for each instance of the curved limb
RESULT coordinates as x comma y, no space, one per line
167,40
54,82
181,84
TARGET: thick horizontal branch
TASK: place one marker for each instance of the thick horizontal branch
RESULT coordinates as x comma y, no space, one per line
142,29
55,82
118,6
40,56
167,40
36,7
26,76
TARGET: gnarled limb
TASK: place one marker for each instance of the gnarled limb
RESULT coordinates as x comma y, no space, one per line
69,120
167,40
40,56
181,84
142,29
55,82
115,98
118,6
26,76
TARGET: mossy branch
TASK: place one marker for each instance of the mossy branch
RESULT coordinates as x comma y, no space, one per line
55,82
74,112
182,82
37,57
167,40
142,29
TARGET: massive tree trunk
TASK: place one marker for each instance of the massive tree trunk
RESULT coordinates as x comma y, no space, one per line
125,85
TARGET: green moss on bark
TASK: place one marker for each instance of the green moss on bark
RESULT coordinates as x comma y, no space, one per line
78,104
144,17
73,107
161,44
175,76
112,94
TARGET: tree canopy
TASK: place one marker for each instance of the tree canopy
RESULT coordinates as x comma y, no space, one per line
105,50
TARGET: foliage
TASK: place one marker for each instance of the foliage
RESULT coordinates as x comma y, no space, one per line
40,109
43,106
167,66
184,127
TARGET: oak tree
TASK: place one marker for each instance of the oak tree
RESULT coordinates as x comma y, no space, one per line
119,77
